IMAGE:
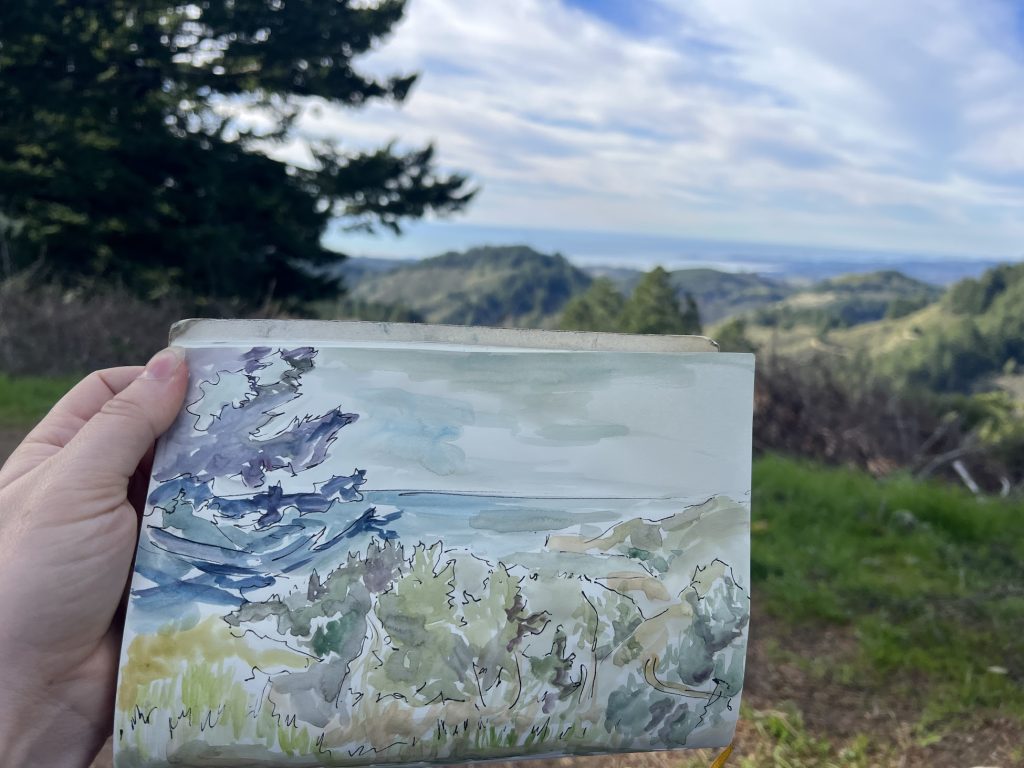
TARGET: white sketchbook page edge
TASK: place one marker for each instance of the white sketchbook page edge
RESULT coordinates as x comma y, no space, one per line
207,333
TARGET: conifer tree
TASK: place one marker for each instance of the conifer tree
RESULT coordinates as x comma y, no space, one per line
122,158
654,308
597,309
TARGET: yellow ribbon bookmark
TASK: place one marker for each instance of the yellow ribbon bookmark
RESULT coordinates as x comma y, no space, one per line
720,760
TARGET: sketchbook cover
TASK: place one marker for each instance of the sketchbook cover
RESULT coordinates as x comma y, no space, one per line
380,544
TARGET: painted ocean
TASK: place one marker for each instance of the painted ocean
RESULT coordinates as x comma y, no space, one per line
208,557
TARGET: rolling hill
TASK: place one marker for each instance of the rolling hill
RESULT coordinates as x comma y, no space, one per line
849,300
970,338
353,270
497,286
518,286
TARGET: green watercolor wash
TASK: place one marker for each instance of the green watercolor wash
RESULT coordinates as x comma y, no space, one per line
452,658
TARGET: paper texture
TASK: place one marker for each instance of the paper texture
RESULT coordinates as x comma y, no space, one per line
366,544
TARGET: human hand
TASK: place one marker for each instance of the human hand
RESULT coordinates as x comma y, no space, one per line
69,501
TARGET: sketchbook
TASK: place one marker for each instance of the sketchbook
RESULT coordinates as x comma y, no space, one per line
371,543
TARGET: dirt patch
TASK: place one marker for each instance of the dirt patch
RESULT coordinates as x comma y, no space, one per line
800,668
803,666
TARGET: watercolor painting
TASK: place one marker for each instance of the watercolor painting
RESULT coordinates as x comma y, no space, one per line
359,555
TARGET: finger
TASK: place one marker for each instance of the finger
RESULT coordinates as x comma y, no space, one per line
113,442
65,419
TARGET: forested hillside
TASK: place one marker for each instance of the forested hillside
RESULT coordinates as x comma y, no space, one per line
850,300
516,285
977,334
500,286
971,338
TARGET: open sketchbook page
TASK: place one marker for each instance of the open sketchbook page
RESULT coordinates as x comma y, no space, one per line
370,544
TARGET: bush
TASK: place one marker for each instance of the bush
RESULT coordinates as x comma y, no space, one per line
49,331
831,411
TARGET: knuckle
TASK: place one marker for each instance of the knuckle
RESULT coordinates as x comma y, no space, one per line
95,378
124,408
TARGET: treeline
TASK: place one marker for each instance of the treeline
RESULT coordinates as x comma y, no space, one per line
652,307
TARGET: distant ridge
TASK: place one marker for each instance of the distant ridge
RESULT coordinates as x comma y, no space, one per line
848,300
497,286
519,286
641,251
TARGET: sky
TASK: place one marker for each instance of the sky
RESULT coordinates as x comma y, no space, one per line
598,425
864,125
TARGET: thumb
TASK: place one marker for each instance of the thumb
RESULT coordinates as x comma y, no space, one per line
115,440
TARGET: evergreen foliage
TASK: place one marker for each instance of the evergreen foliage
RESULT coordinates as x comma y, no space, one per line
985,337
654,308
599,308
123,158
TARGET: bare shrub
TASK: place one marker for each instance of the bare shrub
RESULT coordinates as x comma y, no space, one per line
48,330
836,411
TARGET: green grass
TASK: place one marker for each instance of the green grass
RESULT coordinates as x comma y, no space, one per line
26,399
928,577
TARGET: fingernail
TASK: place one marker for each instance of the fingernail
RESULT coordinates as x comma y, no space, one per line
164,363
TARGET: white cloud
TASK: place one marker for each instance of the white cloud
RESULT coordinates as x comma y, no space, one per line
867,124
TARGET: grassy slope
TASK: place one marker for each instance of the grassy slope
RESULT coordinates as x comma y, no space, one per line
943,345
854,301
927,577
25,400
876,338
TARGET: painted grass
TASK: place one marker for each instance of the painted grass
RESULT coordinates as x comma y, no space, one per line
24,400
929,578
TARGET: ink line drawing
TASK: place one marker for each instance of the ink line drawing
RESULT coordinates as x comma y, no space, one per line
354,556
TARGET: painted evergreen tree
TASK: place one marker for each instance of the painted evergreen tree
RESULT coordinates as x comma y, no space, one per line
231,434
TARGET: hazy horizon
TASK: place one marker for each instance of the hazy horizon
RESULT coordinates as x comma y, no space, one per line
643,252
